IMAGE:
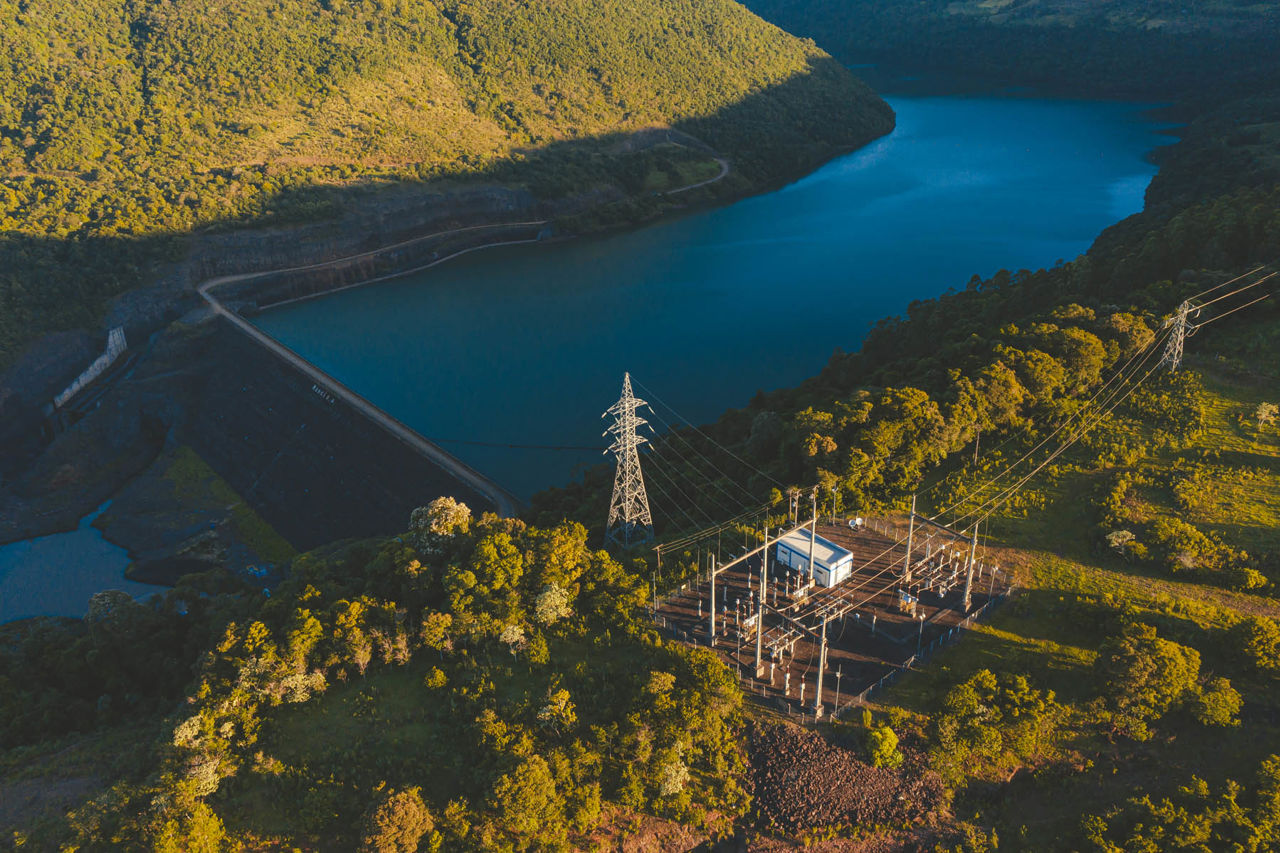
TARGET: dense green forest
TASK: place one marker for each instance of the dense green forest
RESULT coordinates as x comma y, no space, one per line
475,684
125,126
492,684
1130,48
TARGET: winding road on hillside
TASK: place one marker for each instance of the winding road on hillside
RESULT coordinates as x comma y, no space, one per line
724,170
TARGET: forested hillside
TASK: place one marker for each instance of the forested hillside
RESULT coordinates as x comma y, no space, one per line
1013,351
476,684
1130,48
125,125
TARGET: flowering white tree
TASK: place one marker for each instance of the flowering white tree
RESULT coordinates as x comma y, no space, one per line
552,605
431,525
558,713
513,636
673,775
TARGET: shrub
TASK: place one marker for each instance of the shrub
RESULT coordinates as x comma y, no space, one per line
882,744
1245,578
1182,547
1218,704
1256,641
397,822
1143,677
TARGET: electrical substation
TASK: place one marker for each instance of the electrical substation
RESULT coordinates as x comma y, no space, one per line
817,614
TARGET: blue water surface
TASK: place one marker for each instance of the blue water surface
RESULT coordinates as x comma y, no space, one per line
57,575
528,344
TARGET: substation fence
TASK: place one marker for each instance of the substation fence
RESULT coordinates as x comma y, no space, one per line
769,693
952,636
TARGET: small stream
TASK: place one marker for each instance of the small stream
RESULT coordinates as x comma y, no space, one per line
56,575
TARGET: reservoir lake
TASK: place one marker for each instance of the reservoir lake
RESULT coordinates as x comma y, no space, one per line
527,344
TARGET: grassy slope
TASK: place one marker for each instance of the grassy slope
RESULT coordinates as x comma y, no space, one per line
182,491
121,120
40,784
1052,632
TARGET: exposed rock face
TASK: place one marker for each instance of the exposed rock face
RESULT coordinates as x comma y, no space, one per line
392,216
799,780
382,219
312,469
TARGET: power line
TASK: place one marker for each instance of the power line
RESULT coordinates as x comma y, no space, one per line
677,469
1234,310
707,437
1265,278
668,475
1228,281
673,503
738,502
719,528
1008,492
1078,413
1075,436
671,481
994,502
1187,329
992,452
673,433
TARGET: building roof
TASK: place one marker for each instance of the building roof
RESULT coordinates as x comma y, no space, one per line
824,552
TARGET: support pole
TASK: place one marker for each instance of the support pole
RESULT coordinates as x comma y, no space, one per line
711,637
630,521
968,575
911,529
764,577
813,537
822,665
1172,358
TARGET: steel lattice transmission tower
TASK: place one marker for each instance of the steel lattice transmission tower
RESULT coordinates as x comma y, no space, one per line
629,520
1181,329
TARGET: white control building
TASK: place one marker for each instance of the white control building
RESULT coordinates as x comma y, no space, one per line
831,563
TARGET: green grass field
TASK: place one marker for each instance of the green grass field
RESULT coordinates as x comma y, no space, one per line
1226,482
196,484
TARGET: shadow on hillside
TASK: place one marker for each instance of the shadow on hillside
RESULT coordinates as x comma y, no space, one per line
770,136
47,284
